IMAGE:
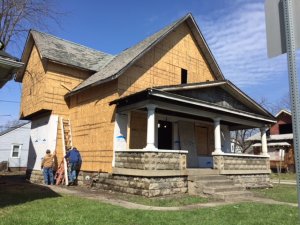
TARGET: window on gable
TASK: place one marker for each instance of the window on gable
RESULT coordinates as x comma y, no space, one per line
285,128
184,74
16,151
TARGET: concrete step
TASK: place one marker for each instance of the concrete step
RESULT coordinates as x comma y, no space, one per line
202,172
225,188
206,177
230,195
216,183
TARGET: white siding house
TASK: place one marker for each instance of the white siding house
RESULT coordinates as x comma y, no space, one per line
14,145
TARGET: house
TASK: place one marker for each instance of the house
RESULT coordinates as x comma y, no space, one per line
14,146
280,142
141,118
8,66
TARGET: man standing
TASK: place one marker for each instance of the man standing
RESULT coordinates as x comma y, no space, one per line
74,159
47,166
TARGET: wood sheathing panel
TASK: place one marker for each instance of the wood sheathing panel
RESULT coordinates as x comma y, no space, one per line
93,126
44,87
60,79
163,63
138,130
34,83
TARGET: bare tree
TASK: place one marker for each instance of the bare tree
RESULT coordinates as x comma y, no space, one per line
283,103
11,124
240,136
18,16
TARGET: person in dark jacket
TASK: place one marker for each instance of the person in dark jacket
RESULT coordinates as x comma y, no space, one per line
75,161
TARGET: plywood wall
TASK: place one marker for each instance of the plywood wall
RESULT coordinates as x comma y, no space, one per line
138,130
34,84
45,85
60,80
92,121
163,63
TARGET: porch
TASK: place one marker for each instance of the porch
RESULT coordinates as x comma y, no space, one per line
165,131
196,118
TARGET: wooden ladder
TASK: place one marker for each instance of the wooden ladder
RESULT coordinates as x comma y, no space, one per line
66,136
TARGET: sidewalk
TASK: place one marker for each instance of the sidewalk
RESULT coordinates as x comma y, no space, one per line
289,182
130,205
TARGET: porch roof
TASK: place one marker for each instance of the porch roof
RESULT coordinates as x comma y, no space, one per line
170,98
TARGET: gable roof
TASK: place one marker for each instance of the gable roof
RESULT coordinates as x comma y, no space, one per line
225,85
283,111
14,128
118,65
65,52
173,92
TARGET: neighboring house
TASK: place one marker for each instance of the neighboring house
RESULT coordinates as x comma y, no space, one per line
235,147
14,145
280,142
8,66
141,117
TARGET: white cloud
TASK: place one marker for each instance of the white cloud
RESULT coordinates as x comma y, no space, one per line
237,39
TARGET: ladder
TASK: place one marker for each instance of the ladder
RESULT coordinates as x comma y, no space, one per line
66,136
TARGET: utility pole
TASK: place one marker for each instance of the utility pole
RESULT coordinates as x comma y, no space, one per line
283,36
289,24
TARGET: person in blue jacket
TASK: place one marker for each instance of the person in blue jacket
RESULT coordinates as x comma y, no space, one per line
74,158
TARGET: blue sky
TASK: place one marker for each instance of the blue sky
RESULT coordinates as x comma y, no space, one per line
234,31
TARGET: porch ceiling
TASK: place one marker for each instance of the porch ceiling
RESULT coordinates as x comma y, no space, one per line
184,106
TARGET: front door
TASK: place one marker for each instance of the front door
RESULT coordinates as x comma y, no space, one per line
165,129
202,144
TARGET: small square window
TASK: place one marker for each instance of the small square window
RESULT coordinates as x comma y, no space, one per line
15,151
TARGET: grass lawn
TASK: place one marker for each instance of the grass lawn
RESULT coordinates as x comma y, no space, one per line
74,210
283,193
30,204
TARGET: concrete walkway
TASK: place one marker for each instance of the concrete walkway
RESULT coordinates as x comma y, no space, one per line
289,182
129,205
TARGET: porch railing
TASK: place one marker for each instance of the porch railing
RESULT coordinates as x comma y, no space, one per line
228,163
150,162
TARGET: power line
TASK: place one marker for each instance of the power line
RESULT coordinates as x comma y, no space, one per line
9,101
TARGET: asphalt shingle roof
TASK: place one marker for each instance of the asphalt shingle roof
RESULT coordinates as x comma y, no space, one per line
122,61
69,53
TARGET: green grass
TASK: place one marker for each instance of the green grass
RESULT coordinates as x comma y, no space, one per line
283,193
74,210
29,204
170,201
283,176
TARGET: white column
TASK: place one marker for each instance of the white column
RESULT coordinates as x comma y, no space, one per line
217,131
128,131
264,146
151,128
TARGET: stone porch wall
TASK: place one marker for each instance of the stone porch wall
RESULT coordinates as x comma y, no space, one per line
250,171
145,186
151,160
241,164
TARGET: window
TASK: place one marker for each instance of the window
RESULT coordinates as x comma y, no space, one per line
16,151
285,128
184,74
